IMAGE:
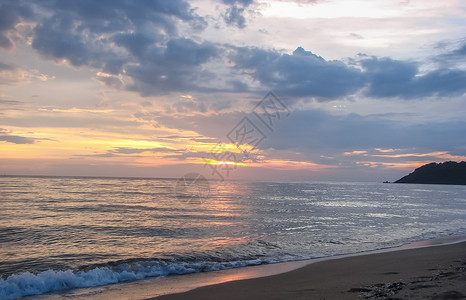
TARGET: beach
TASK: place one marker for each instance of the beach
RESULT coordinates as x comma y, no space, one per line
435,272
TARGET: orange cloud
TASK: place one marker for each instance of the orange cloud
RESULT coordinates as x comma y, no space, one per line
401,165
386,150
438,154
355,152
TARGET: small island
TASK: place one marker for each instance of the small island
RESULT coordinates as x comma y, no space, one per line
449,172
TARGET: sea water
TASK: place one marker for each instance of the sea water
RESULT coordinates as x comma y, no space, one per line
59,233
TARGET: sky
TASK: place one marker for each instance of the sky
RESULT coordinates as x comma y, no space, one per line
303,90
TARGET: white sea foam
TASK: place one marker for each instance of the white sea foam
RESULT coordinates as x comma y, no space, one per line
19,285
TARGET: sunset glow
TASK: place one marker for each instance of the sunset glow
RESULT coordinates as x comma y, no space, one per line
367,90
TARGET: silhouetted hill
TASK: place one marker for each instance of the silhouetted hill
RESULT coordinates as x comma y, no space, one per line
449,172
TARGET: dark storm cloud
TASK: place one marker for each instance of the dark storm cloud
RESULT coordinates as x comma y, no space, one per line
394,78
301,74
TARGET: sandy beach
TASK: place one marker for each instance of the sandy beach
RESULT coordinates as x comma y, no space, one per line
436,272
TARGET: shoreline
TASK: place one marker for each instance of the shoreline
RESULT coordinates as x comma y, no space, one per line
152,288
434,271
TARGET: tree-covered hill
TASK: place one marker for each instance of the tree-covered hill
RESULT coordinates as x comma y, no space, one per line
449,172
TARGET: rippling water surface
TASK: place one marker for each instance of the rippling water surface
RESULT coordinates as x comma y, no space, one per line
58,233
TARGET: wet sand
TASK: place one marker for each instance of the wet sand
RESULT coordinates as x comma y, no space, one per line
436,272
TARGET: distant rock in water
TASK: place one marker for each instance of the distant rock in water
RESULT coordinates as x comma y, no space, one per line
449,172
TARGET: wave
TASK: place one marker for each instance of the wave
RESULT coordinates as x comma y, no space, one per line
25,284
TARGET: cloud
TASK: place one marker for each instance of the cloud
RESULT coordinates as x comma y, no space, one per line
317,132
140,47
7,67
301,74
302,1
122,150
322,137
55,39
187,52
155,69
355,152
452,56
188,105
82,31
121,15
215,125
305,74
458,53
394,78
10,105
11,13
63,119
11,74
236,2
234,14
114,81
137,45
166,153
4,102
14,139
177,67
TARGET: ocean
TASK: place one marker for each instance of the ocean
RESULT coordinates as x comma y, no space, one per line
60,233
